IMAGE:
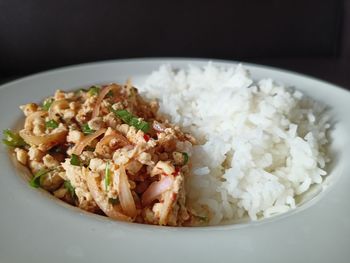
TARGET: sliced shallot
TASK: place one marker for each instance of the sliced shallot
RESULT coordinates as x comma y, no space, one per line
48,139
100,98
79,147
102,201
122,141
125,196
156,189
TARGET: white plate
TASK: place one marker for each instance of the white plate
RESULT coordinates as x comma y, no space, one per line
36,228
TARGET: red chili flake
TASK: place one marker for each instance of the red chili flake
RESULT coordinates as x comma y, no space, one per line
177,170
174,196
146,137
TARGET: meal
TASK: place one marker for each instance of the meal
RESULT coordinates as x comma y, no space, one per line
188,147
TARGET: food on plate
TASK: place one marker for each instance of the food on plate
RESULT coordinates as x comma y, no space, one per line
202,146
106,151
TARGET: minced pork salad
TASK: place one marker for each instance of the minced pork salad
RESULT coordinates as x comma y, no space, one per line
106,151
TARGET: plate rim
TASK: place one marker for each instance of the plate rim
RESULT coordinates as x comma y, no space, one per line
188,61
203,230
164,59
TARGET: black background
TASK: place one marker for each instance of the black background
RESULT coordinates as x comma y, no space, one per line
309,36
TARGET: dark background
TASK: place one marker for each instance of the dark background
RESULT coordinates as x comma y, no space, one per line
308,36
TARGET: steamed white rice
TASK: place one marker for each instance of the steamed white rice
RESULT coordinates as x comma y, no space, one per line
261,143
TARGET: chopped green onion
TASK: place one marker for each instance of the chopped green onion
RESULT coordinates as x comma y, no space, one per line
107,176
93,90
13,139
113,201
185,155
51,124
74,160
47,104
38,177
71,190
131,120
86,129
134,122
144,126
124,115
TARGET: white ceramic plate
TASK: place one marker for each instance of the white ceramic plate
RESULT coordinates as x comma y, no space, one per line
37,228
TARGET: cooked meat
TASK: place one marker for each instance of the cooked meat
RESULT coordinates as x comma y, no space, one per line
106,150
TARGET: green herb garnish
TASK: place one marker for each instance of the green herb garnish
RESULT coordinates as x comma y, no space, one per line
107,176
93,90
51,124
131,120
185,155
38,177
74,160
71,190
113,201
86,129
47,104
13,139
